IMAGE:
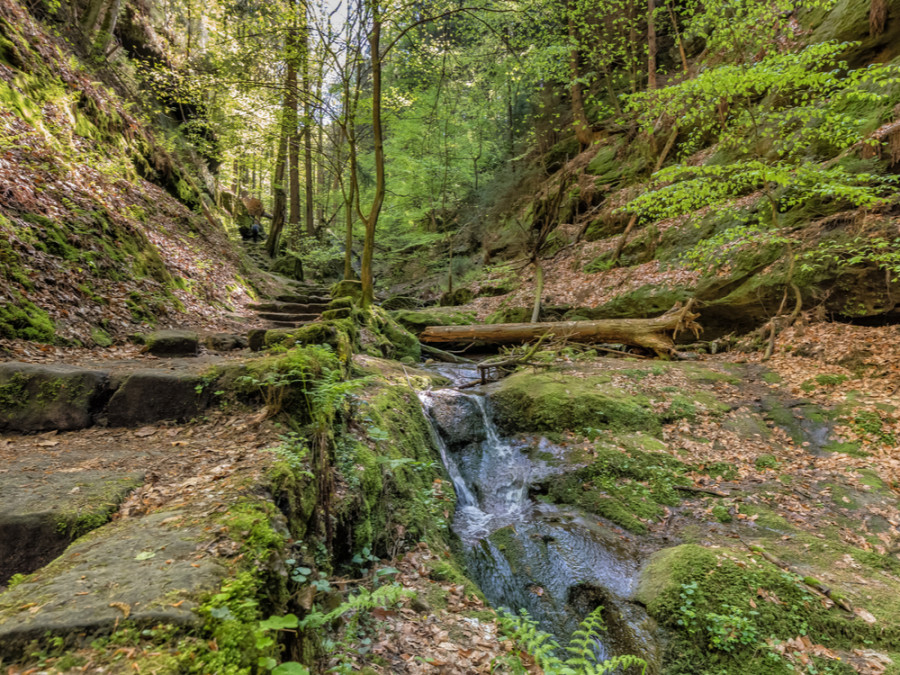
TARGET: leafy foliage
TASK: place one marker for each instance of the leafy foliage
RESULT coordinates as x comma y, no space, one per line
582,658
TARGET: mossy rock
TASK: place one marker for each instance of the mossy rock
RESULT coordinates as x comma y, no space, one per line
510,315
345,302
623,483
289,266
557,401
347,287
721,605
395,341
418,320
172,343
461,296
37,397
390,472
338,334
332,314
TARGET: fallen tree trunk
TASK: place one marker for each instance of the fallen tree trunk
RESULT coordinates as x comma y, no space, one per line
657,334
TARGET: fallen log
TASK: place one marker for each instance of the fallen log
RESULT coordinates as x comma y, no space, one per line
657,333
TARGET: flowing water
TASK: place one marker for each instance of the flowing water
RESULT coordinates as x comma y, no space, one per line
556,563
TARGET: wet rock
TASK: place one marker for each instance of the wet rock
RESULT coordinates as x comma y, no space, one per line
225,342
172,343
458,419
147,396
38,397
144,570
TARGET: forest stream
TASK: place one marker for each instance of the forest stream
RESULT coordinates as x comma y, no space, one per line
555,563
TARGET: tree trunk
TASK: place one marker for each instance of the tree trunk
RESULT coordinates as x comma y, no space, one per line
538,290
651,45
279,197
371,221
288,128
292,110
307,134
579,117
656,334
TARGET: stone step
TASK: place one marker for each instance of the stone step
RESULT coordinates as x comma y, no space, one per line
303,299
288,324
288,316
47,500
303,308
41,397
146,570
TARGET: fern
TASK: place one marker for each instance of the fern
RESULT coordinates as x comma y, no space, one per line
582,659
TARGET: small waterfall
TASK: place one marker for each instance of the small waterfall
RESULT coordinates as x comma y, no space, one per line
555,563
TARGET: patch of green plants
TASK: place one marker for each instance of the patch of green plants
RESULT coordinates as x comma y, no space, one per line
869,423
578,658
727,611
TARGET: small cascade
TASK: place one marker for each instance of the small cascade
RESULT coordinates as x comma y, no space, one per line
555,563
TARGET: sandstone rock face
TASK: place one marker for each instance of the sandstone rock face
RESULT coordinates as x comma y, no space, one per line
147,565
38,397
146,396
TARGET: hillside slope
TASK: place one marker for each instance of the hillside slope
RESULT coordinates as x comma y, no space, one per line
102,227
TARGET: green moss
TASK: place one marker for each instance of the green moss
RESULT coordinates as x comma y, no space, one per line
416,321
699,593
347,288
101,337
392,472
346,302
13,391
555,401
766,461
721,513
625,487
25,320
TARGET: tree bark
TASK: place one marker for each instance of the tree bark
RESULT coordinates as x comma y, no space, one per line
279,197
651,45
307,133
292,110
371,221
580,120
538,290
656,334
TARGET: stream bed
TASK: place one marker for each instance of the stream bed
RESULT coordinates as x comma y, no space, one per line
556,563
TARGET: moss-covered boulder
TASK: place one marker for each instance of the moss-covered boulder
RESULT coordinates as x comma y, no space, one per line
417,320
391,339
341,335
344,302
460,296
333,314
563,399
172,343
347,287
397,484
724,606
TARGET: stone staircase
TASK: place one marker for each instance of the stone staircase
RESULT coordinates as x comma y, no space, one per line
135,456
304,304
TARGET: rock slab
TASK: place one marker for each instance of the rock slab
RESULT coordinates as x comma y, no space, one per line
37,397
145,570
